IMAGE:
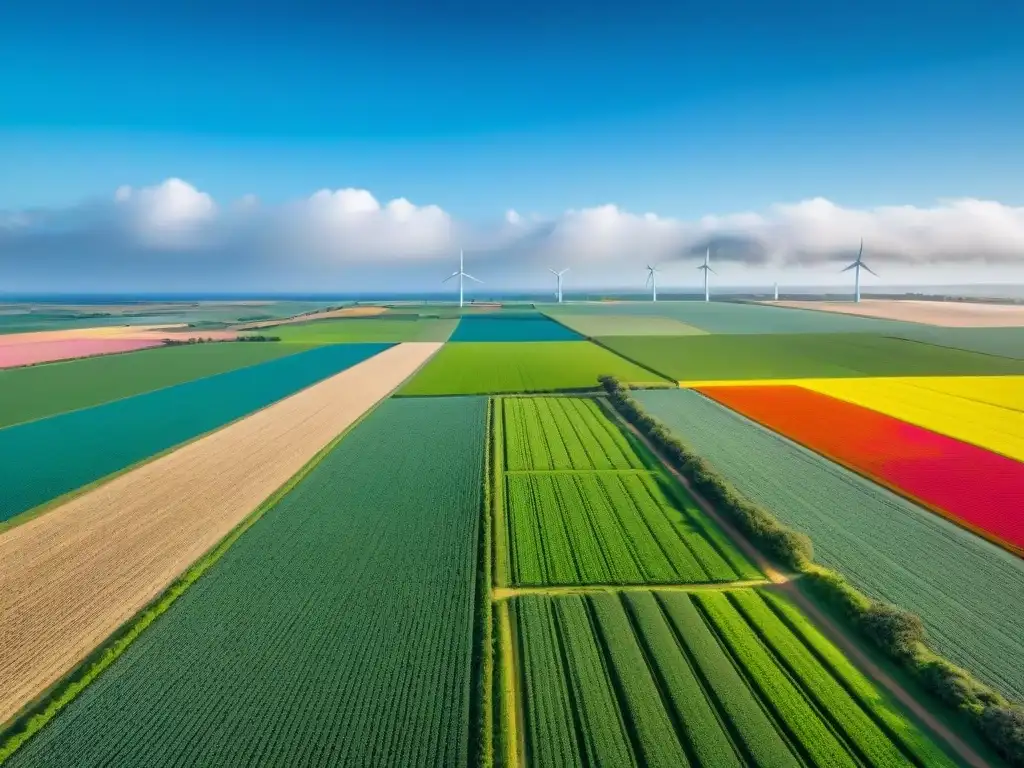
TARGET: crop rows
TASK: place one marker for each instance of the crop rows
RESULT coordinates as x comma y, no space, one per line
715,679
976,488
888,547
335,631
611,528
564,433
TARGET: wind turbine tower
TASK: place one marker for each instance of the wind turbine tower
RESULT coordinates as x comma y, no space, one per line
652,280
558,276
705,267
776,291
856,267
461,274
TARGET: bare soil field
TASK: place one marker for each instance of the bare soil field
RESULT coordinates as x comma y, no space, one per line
72,576
949,314
344,312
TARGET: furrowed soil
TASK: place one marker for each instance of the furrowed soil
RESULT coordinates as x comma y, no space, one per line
70,578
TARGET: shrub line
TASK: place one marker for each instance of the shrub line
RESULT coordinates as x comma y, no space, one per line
898,633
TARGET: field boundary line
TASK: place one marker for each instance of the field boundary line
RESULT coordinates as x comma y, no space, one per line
774,575
670,379
510,593
514,721
38,713
41,509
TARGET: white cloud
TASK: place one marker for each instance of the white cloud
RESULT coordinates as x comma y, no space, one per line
349,231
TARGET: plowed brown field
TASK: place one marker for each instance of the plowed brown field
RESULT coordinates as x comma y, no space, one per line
951,314
71,577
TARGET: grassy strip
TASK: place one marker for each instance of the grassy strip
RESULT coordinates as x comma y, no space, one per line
38,714
899,634
483,702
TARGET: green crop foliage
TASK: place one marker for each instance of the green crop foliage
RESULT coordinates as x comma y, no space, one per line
886,546
611,528
738,704
655,736
480,368
39,391
696,714
822,688
787,700
355,329
335,631
895,724
559,433
803,355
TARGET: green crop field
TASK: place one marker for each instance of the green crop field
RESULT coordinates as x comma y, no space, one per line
958,583
623,325
336,631
714,679
357,329
613,528
566,433
38,391
737,318
477,368
583,509
1005,342
718,358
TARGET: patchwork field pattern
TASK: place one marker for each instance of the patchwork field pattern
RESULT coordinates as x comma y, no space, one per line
68,451
1003,342
714,679
987,411
337,627
702,359
887,546
583,508
535,327
71,577
45,390
373,329
480,368
971,486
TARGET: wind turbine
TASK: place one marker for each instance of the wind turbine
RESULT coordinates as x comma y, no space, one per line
705,267
776,291
857,266
558,276
652,279
461,274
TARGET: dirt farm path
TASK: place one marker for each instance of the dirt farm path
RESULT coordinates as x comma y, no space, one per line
71,577
832,630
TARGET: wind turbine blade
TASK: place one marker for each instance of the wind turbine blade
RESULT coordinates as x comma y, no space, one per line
453,274
860,251
712,271
471,277
852,266
648,280
553,271
869,269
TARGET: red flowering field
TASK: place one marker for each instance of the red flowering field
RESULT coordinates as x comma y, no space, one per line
976,488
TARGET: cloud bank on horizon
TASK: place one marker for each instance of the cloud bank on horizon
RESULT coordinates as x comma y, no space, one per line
172,236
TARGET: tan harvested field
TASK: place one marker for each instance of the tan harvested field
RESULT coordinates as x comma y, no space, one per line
344,312
950,314
104,332
72,576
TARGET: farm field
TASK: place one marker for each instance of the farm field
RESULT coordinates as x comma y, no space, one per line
14,355
479,368
33,393
710,358
719,317
711,679
517,327
1003,342
337,627
70,450
586,505
594,325
74,575
986,411
566,433
887,546
371,329
969,485
936,313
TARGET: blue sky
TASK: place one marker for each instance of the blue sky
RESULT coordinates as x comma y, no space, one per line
684,109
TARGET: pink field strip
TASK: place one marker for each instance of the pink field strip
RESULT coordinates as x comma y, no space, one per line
12,355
